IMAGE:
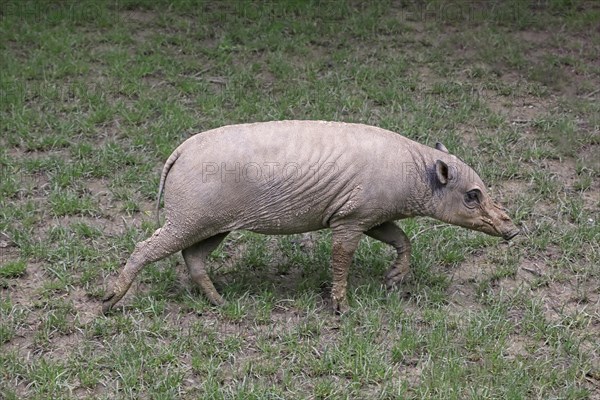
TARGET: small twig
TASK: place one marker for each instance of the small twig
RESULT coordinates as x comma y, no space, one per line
159,84
216,79
198,75
532,271
202,72
589,95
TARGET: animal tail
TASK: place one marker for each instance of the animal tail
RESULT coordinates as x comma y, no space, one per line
163,177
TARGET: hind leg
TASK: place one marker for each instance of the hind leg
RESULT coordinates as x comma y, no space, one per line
161,244
390,233
195,258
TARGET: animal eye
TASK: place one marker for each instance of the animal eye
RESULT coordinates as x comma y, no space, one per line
472,196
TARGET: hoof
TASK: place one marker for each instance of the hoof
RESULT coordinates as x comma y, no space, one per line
217,300
106,307
220,303
340,307
396,277
107,303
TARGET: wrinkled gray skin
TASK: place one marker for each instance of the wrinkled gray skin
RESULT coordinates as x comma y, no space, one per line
297,176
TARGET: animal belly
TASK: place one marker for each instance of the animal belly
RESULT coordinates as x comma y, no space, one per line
278,219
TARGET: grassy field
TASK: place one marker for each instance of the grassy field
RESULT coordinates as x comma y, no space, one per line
94,96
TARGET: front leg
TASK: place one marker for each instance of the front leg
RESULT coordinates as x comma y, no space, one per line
344,245
391,234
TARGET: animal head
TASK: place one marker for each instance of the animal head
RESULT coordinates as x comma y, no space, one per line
460,198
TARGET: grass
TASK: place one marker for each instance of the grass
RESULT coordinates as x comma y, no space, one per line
94,96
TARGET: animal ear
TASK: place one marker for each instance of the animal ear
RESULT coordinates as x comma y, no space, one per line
443,172
441,147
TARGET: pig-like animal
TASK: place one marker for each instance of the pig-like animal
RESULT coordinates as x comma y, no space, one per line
289,177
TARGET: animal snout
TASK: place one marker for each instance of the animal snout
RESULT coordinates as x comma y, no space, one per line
511,234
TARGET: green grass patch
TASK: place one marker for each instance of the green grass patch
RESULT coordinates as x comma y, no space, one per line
13,269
